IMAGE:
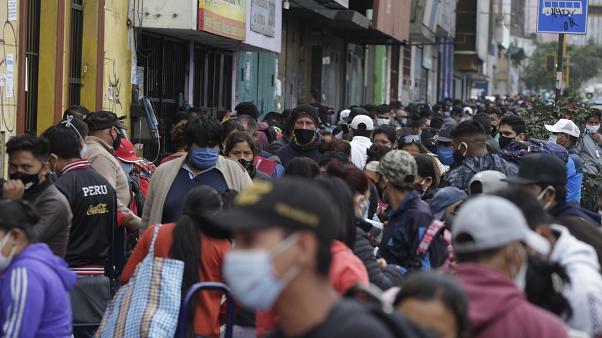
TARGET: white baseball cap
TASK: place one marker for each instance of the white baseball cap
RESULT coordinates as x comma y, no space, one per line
564,126
492,222
359,119
491,181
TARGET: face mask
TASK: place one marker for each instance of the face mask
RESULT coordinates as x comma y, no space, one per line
428,122
5,260
593,129
404,121
445,155
204,158
520,277
304,136
504,141
127,167
29,180
250,275
383,122
541,195
459,155
82,152
246,164
553,138
117,141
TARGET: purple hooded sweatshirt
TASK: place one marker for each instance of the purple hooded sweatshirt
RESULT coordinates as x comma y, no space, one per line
34,295
498,309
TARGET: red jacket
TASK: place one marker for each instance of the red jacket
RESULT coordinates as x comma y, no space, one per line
346,270
498,309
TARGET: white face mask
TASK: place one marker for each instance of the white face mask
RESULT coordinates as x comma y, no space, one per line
383,122
82,152
541,195
5,260
404,121
553,138
250,274
520,276
428,122
593,129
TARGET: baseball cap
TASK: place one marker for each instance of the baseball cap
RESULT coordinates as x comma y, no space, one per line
491,181
540,168
444,198
444,135
127,152
291,203
359,119
492,222
399,167
103,120
344,115
564,126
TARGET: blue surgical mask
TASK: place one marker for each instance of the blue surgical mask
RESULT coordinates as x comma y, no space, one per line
204,158
251,277
445,155
127,167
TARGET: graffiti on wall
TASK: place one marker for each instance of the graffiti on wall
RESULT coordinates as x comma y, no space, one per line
114,92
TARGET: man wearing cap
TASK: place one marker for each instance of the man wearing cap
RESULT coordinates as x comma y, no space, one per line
583,291
488,236
487,182
281,260
410,215
446,202
104,137
545,176
362,127
304,123
138,171
471,156
566,133
445,152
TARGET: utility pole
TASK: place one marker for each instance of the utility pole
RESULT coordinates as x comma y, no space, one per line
559,64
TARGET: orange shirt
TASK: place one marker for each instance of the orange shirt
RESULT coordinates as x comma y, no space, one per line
206,316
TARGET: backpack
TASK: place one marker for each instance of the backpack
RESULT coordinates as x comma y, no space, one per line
435,249
515,150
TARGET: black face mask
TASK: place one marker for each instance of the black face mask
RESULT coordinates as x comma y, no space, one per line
117,141
246,164
304,136
29,180
458,157
504,141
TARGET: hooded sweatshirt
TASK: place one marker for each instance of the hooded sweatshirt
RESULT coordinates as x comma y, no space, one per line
584,293
498,309
34,299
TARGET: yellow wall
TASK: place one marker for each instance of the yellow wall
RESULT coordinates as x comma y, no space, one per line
47,65
117,85
89,49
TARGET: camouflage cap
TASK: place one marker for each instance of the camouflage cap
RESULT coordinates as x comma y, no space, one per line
399,167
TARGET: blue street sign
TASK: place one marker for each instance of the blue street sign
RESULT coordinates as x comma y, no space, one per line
568,17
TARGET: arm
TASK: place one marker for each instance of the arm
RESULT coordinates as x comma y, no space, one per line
383,278
22,303
104,166
140,251
52,219
149,201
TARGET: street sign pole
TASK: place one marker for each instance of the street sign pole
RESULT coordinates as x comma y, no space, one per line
559,68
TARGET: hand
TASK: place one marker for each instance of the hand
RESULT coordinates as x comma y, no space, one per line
597,137
382,263
13,189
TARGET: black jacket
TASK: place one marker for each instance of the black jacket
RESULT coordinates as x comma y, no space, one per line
94,205
385,278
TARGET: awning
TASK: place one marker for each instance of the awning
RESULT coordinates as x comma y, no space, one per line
350,25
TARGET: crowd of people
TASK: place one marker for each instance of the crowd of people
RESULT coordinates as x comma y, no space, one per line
447,221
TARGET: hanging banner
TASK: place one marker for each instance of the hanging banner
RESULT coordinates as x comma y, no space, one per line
223,17
263,17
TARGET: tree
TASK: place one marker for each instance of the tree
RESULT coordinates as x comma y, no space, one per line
584,62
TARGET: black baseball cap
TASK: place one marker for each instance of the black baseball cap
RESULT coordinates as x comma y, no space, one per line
540,168
290,203
103,120
444,135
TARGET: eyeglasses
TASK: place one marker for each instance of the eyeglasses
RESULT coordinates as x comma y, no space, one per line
411,139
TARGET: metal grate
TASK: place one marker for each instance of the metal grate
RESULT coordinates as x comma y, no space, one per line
75,51
32,57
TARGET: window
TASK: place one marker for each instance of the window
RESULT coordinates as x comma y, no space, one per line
75,51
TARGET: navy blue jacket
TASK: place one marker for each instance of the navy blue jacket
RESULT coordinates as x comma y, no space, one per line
401,236
292,150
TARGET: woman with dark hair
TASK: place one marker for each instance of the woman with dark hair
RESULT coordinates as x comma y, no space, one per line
382,275
188,240
35,284
230,127
437,302
241,147
177,140
302,167
427,180
385,136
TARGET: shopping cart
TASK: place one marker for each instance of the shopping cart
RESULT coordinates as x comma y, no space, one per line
213,286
